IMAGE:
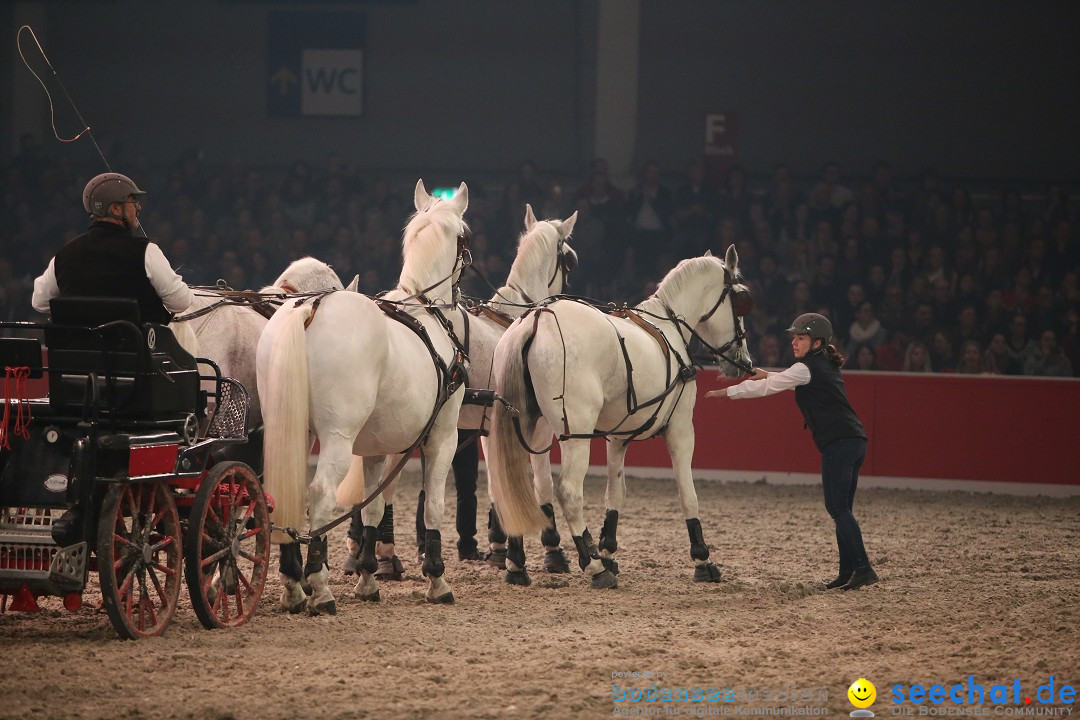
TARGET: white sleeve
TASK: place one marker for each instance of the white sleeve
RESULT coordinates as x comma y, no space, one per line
45,289
170,287
796,375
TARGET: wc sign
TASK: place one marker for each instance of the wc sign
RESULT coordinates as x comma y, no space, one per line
315,64
330,82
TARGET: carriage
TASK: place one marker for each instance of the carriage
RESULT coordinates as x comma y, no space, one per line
122,470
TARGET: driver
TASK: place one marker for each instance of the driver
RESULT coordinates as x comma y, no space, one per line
111,260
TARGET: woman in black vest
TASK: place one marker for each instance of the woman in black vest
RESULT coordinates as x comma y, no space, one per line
837,431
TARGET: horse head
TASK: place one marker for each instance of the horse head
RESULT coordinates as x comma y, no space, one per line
544,258
706,294
722,323
307,275
435,244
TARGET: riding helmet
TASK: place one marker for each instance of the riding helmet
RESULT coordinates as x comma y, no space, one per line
106,189
816,326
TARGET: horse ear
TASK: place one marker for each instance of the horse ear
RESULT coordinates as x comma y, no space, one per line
354,286
568,225
460,201
708,253
731,258
421,199
530,218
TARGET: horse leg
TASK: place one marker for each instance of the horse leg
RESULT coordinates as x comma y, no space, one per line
496,554
335,454
554,557
614,499
680,441
516,572
372,520
439,451
390,567
568,491
293,594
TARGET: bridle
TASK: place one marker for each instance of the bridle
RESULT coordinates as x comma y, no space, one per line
742,304
463,260
566,262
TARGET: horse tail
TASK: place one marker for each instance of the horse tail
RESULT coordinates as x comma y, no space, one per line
511,485
283,391
351,490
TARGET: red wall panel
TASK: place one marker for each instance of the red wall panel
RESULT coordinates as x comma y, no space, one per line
920,426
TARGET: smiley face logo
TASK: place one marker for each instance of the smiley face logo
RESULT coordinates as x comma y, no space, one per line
862,693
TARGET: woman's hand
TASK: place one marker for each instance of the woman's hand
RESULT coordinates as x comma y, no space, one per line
721,393
759,374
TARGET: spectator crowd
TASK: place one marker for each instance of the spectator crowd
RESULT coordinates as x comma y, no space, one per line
917,276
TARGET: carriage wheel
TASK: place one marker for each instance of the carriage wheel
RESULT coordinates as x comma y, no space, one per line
139,546
227,547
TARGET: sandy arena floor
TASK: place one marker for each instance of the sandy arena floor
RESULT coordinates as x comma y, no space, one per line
978,585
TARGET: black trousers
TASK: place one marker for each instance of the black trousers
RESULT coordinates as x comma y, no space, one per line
466,466
840,463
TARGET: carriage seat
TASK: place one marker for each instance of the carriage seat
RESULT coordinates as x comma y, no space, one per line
142,371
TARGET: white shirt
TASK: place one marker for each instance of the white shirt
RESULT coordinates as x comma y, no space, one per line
796,375
170,287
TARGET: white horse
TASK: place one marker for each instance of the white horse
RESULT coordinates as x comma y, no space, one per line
544,258
229,333
571,367
364,384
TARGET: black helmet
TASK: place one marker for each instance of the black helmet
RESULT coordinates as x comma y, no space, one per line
107,189
816,326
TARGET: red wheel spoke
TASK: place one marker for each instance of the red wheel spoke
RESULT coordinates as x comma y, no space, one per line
163,568
251,533
210,559
157,586
167,541
244,580
258,560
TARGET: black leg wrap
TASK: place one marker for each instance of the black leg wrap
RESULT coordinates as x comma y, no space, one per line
386,526
495,531
698,549
515,553
356,529
316,555
586,549
550,535
368,563
420,529
608,541
290,562
433,562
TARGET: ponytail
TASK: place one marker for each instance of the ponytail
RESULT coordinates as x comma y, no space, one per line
835,355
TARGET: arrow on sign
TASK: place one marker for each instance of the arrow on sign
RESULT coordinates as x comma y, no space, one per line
283,78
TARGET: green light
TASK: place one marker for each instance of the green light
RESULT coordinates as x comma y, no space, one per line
444,193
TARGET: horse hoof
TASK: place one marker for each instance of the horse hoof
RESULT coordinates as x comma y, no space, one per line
604,581
324,608
610,564
373,597
518,577
555,562
497,558
390,568
444,599
350,567
707,573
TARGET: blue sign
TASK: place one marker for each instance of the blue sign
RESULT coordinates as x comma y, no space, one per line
315,64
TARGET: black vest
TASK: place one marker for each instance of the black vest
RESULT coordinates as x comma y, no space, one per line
824,402
107,261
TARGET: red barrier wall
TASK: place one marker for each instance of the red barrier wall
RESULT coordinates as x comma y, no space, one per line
920,426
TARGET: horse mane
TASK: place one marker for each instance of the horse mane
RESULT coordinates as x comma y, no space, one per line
676,282
535,249
424,246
